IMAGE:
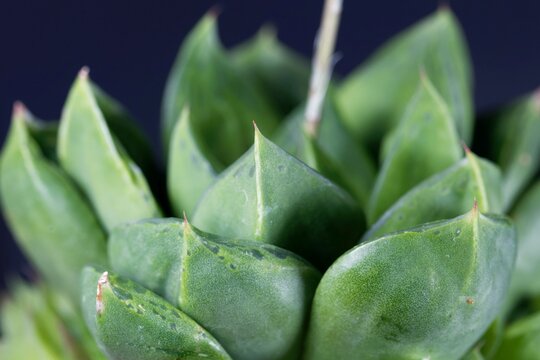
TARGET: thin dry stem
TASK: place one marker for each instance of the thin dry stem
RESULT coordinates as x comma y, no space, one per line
322,65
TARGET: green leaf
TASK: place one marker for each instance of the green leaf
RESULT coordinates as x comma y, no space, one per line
122,125
334,153
270,196
525,279
254,298
444,195
223,103
424,143
98,162
521,340
281,74
51,221
515,144
131,322
32,327
424,293
374,96
190,171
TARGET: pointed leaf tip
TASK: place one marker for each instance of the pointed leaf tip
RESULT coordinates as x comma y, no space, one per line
84,72
214,11
474,210
103,280
466,148
19,109
443,6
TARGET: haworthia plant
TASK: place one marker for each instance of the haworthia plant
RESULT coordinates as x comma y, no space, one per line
274,198
130,322
253,297
53,222
424,143
98,162
426,292
444,195
374,97
346,233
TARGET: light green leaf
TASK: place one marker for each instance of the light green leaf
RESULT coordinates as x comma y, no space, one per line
130,322
33,328
51,221
253,297
223,103
374,97
515,144
270,196
424,293
190,171
91,154
281,74
334,153
521,340
444,195
424,143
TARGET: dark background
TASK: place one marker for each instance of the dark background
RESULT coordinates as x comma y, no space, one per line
130,46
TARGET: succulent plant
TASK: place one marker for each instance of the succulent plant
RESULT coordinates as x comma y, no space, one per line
356,220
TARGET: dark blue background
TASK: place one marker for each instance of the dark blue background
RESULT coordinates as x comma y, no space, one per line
130,45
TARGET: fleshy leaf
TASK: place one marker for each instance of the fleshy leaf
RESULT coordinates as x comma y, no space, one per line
525,279
131,322
424,293
521,340
374,97
223,103
253,297
281,74
444,195
515,144
424,143
123,127
334,153
190,171
93,156
270,196
51,221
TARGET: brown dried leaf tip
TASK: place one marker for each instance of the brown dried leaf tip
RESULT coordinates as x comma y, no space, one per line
103,280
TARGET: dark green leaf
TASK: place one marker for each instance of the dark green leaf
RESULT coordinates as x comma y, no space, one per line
526,277
424,143
253,297
334,153
374,96
281,74
424,293
223,103
270,196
